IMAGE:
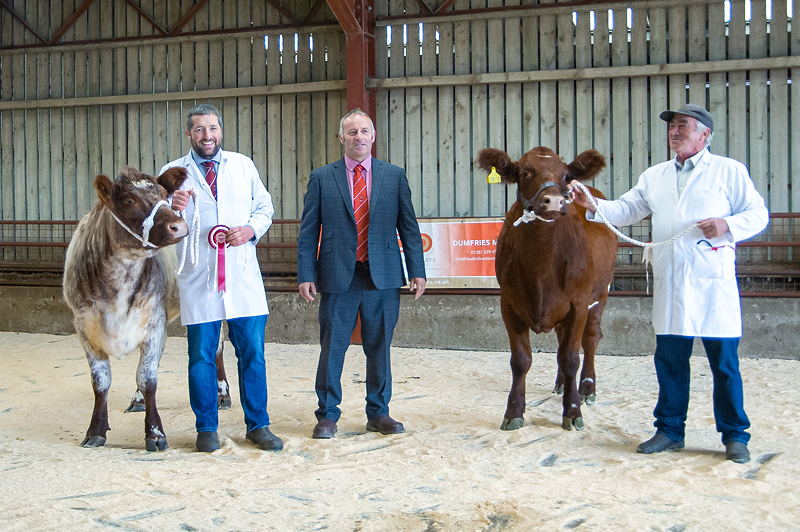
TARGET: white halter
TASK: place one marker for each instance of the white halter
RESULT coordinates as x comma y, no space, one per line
147,224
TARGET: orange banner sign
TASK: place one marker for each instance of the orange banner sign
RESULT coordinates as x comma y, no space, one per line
460,253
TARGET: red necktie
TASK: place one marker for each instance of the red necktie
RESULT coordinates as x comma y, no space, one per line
361,211
211,177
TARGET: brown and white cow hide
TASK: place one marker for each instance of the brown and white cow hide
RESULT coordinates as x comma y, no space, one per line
120,285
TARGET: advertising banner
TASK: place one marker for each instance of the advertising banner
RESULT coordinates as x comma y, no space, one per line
460,253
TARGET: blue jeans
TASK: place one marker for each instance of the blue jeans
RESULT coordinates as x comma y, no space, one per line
247,337
672,368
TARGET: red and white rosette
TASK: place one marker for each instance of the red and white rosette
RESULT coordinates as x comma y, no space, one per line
216,239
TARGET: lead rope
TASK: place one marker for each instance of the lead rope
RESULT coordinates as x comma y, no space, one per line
192,240
647,254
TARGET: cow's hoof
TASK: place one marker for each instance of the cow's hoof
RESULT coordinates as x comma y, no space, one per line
512,424
93,441
589,399
158,444
568,423
135,407
224,402
559,389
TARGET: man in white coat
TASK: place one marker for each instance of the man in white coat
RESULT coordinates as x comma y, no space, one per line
234,210
695,291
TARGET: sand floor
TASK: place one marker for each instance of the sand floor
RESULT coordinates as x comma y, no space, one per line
453,469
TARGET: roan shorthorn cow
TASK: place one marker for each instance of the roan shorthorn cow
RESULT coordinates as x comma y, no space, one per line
554,268
121,286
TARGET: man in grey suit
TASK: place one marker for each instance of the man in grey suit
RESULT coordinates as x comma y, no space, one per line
354,209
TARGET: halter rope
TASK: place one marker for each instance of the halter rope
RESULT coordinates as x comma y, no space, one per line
192,240
147,224
647,254
647,245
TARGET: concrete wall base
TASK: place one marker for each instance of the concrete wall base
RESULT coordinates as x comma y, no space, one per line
448,322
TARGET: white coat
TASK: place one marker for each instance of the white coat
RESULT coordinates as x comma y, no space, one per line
694,278
242,199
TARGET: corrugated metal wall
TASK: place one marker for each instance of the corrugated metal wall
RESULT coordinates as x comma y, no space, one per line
571,77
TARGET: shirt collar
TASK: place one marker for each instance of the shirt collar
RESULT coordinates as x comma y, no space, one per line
200,160
351,164
692,161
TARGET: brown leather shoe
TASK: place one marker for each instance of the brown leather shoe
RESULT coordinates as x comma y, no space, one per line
325,429
385,425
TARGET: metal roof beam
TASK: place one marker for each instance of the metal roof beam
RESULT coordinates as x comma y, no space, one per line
70,21
313,11
284,12
345,12
22,20
189,15
147,17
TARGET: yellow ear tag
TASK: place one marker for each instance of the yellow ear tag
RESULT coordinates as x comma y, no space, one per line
493,177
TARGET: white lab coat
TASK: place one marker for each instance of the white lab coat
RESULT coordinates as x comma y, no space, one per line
242,199
694,278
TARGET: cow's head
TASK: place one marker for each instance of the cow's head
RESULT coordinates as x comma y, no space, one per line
541,176
132,196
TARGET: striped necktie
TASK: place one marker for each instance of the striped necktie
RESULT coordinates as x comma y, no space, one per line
211,177
361,212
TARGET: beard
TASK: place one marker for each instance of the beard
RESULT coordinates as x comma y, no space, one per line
206,151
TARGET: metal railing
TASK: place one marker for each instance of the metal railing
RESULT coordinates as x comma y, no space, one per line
768,265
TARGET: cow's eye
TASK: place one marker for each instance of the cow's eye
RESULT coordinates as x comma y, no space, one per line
128,202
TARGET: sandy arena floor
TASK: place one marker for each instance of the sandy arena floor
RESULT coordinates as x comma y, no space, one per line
453,469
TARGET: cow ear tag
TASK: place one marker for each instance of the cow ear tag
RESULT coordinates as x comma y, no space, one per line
493,177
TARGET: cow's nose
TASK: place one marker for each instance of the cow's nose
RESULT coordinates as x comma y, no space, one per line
553,203
177,229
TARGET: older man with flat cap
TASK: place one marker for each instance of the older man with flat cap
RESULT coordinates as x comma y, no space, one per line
694,277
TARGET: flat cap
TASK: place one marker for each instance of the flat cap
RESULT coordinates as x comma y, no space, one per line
693,110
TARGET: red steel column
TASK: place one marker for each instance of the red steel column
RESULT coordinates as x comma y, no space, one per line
357,19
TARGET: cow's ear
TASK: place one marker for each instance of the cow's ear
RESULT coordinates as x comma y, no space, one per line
104,188
587,165
491,157
172,179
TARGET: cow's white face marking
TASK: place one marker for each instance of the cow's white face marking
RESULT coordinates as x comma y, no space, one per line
143,183
544,156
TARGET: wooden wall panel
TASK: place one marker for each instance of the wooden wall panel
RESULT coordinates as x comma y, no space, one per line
587,86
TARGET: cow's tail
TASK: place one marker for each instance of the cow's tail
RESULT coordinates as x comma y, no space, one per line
168,261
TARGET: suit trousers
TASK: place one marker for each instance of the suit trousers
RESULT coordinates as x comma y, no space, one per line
673,371
247,336
379,311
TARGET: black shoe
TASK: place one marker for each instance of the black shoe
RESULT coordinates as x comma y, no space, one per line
324,430
736,451
207,442
265,439
659,443
385,425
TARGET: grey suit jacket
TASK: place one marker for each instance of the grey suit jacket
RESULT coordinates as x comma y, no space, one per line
328,207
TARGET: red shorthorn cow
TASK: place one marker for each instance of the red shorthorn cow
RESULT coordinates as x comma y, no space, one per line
121,286
554,268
